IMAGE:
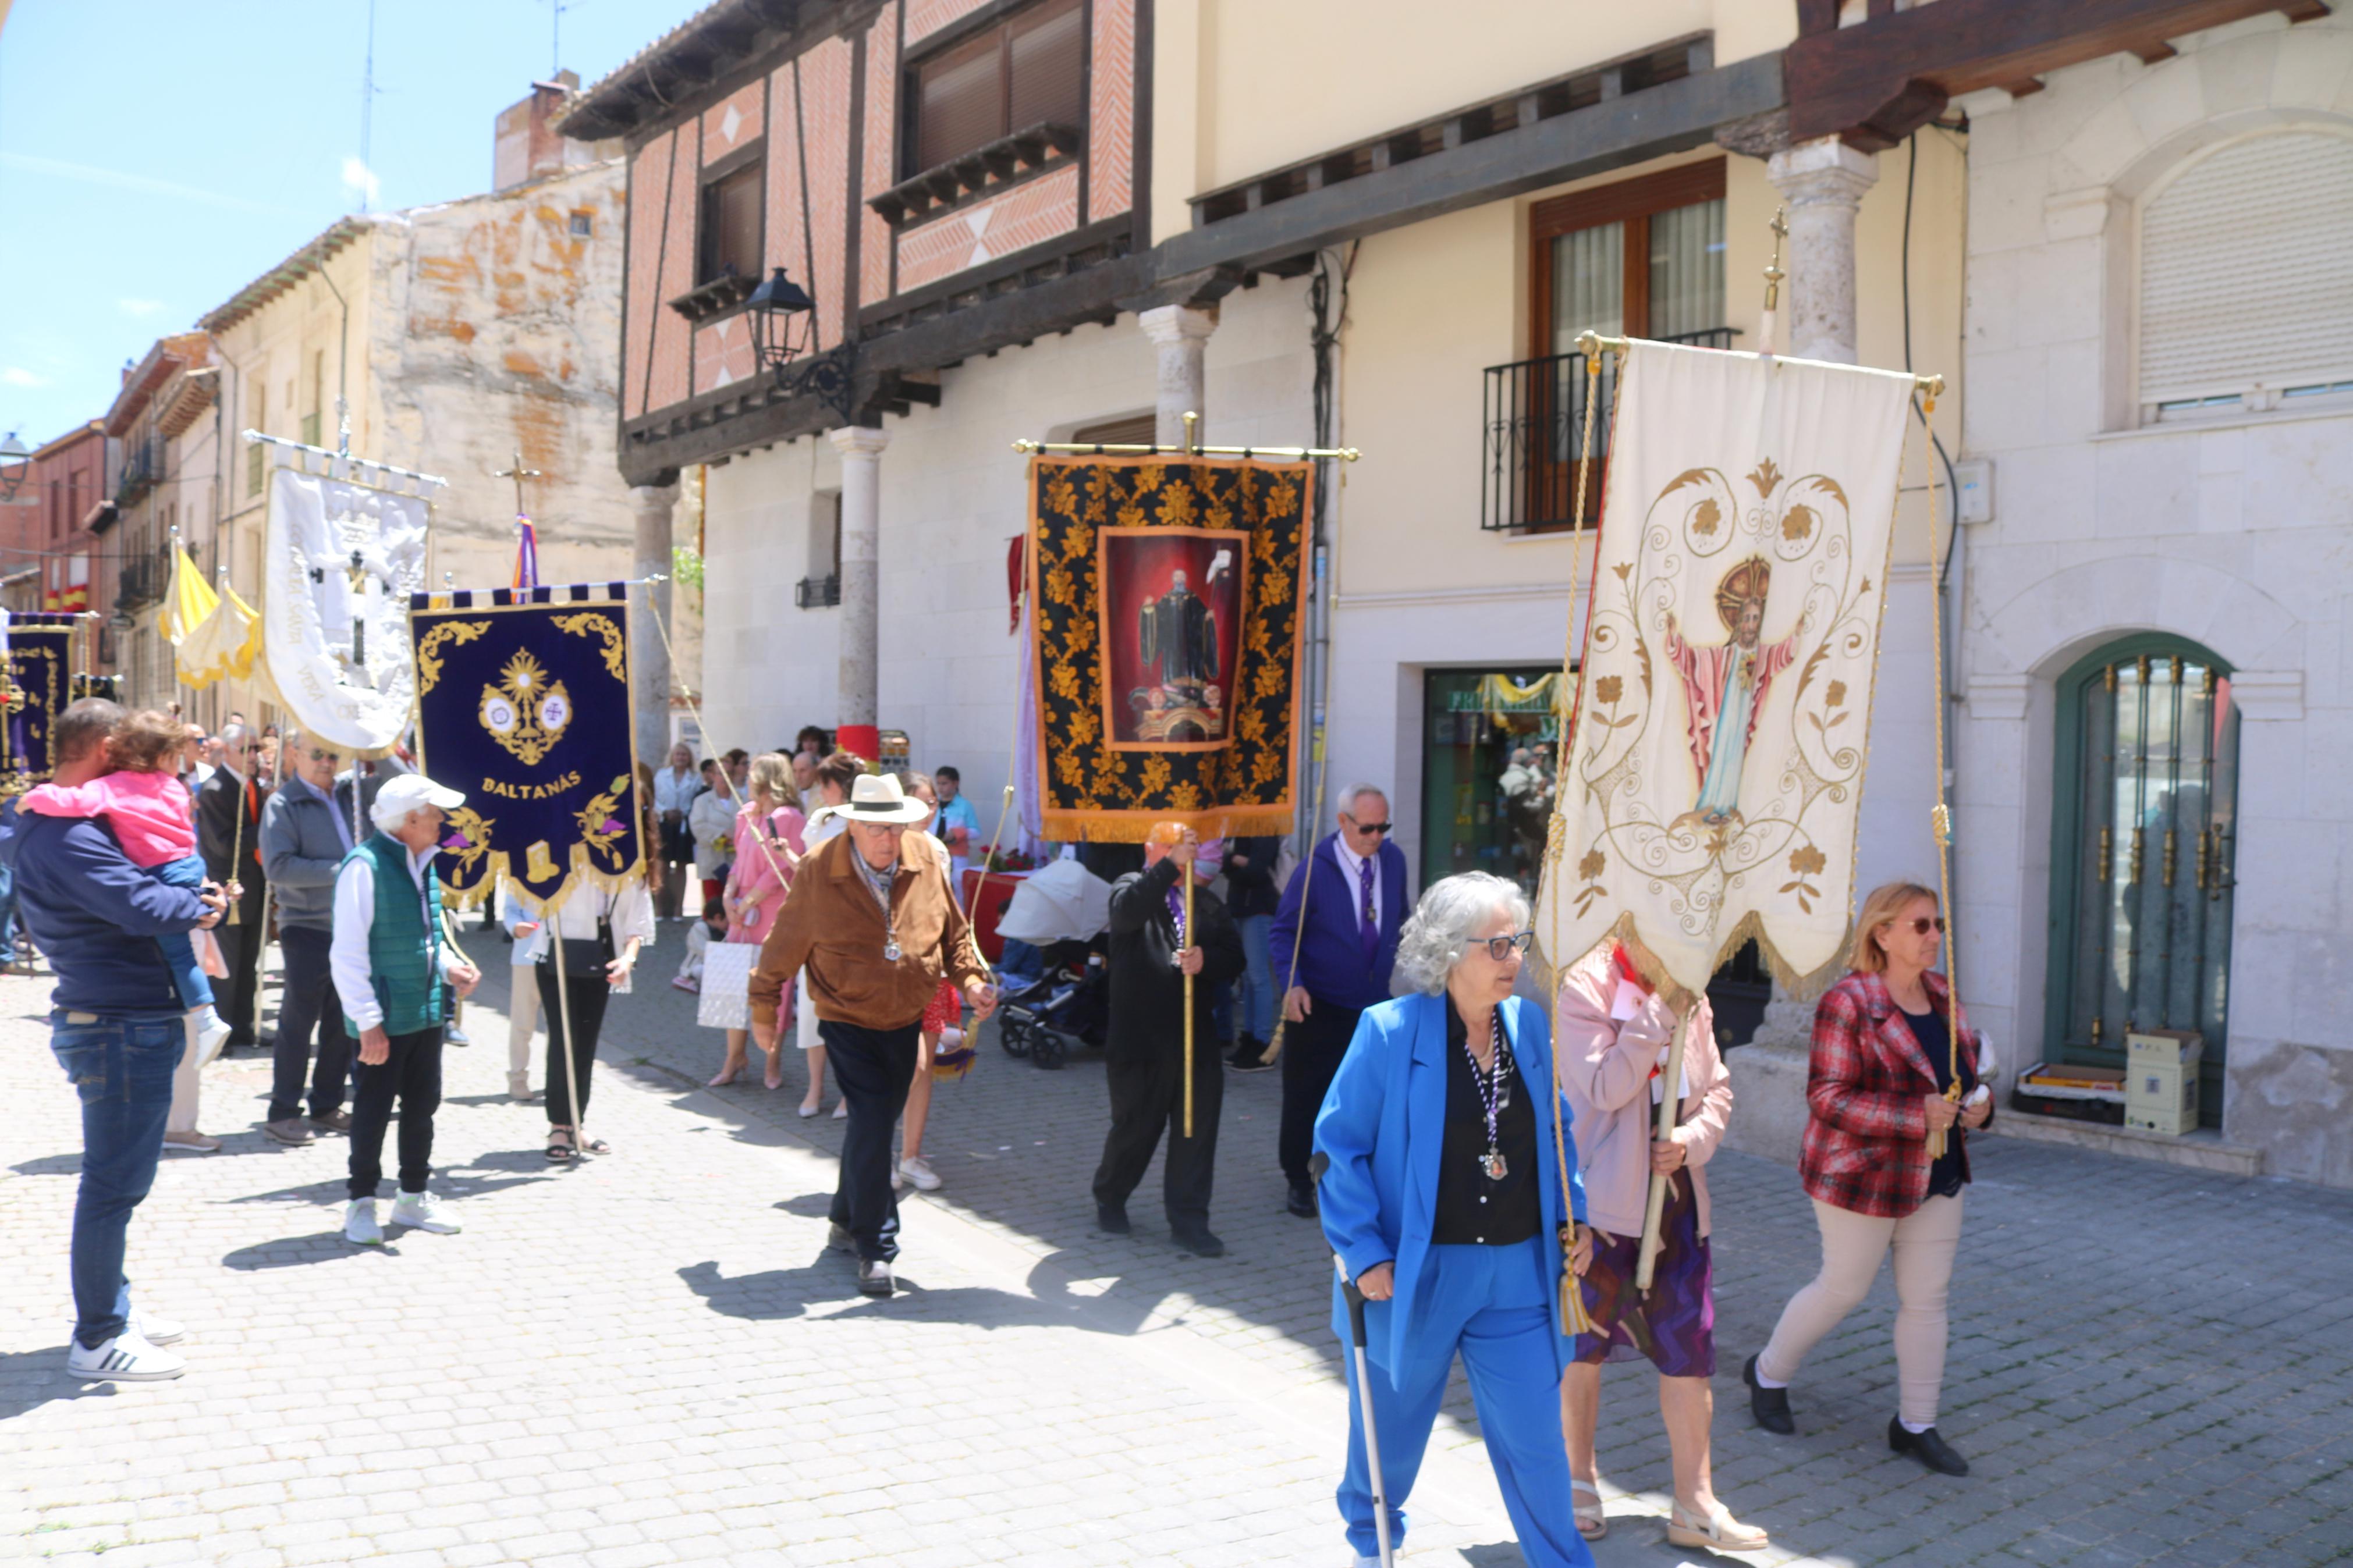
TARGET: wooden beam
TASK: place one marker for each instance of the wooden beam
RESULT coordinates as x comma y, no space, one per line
1877,82
1670,117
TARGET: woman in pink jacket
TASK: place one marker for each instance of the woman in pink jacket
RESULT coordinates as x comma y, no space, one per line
1612,1039
768,850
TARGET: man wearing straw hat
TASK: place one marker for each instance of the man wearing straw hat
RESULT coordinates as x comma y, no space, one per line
871,932
393,975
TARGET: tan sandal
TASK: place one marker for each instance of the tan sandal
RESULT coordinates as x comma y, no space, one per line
1718,1531
1591,1522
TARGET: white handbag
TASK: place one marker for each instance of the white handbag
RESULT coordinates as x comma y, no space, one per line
725,1002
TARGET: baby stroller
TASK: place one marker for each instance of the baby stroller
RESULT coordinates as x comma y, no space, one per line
1064,910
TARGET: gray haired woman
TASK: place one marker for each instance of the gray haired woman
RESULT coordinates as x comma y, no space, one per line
1442,1201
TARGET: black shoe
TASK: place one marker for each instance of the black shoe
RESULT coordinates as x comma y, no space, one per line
1769,1405
1249,1056
1111,1218
1302,1201
1928,1448
838,1237
1197,1240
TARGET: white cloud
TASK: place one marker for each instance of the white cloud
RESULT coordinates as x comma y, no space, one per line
140,309
18,375
361,185
88,174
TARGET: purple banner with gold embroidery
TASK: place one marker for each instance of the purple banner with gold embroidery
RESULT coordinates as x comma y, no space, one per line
1168,596
522,701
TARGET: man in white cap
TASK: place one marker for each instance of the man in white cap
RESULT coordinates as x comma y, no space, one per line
394,976
871,933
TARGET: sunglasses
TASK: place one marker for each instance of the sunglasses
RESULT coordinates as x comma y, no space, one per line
1923,925
1375,828
1501,948
319,756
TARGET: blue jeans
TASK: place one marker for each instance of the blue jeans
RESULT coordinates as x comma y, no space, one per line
1254,991
1493,1305
7,914
122,1068
188,976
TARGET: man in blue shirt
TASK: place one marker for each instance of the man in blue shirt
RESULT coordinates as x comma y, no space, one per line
118,1029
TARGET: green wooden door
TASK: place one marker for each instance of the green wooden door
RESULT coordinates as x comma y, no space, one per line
2143,839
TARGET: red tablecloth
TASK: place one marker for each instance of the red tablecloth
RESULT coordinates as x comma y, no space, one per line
996,891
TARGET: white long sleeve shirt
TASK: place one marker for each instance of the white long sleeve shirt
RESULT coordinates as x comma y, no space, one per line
674,790
347,954
631,910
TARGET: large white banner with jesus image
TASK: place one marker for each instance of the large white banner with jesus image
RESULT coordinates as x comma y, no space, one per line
1718,759
339,562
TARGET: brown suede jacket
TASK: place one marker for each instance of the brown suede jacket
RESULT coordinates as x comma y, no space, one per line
831,932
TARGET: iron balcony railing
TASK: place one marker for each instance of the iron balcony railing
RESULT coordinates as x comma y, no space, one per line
1533,427
143,470
142,583
816,592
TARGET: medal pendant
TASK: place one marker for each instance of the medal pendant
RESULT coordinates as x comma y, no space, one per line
1492,1163
891,951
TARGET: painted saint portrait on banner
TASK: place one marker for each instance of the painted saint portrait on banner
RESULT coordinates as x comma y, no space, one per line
1172,613
1725,685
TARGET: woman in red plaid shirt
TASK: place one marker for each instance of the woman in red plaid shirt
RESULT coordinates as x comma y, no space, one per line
1883,1060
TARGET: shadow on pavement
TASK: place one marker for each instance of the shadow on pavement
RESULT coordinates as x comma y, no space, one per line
293,1251
30,1378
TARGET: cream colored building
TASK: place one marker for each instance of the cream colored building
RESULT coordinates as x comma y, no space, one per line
455,336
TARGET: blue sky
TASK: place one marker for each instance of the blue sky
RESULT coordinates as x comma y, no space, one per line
156,155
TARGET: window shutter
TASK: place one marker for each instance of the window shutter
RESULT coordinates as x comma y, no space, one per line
1049,67
960,101
2247,271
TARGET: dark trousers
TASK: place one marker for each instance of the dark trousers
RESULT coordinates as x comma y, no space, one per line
308,1004
240,947
1147,1093
1312,1050
872,1068
122,1069
411,1074
586,995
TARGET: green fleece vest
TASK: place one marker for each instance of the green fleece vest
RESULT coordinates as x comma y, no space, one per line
404,941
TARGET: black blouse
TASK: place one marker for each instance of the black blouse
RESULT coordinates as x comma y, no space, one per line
1472,1210
1945,1177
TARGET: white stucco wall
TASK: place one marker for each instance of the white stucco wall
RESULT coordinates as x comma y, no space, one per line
952,498
2236,533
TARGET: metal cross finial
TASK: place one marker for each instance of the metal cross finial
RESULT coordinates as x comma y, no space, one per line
518,474
1773,273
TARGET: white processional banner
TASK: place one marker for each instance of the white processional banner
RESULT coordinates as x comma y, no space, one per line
1718,761
340,562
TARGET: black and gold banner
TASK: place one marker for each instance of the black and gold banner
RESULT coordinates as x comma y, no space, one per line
1169,597
522,701
41,661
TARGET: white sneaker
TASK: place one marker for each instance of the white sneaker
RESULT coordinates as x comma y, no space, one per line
425,1212
360,1226
918,1169
157,1331
211,1033
125,1358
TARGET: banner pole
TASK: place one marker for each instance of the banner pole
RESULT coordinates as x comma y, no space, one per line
1941,818
1186,871
1654,1210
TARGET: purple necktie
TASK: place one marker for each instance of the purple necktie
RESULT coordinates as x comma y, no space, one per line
1368,926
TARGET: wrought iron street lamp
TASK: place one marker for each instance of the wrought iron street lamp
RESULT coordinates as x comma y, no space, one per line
783,320
15,466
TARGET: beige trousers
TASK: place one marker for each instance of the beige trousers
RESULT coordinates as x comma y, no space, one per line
1853,1244
186,1083
522,1018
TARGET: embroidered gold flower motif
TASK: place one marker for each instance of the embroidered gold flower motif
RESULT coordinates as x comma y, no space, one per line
1608,689
1797,523
1705,517
1765,476
526,712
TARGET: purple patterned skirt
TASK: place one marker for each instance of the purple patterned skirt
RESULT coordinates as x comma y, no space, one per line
1675,1325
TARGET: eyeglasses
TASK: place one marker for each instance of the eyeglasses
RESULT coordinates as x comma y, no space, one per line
1501,948
319,756
1925,923
1375,828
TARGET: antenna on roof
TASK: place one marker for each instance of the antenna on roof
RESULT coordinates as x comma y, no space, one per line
368,107
555,36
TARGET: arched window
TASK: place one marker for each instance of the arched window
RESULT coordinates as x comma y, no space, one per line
2246,279
2144,832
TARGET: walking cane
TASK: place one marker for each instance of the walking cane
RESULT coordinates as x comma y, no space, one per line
1357,1338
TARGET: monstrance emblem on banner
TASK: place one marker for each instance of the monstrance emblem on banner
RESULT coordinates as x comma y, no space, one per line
524,703
1718,761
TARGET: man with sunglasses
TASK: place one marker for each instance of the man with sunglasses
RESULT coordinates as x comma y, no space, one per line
1333,943
228,835
306,832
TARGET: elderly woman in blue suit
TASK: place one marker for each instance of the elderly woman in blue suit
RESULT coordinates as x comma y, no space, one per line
1442,1201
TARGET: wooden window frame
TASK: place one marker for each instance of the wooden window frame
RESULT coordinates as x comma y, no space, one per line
996,19
751,160
1630,201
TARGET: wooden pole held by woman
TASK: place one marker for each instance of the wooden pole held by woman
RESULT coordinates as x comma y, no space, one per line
1670,1108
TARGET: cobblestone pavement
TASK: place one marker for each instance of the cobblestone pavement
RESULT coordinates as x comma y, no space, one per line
651,1359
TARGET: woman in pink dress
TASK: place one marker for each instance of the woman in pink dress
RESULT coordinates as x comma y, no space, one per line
768,849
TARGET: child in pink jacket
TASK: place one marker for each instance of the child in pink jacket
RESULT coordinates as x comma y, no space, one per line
149,811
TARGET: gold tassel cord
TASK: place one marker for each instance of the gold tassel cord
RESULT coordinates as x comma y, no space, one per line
1941,818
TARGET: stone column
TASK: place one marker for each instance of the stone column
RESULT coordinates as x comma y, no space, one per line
1180,333
1822,183
649,684
861,526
